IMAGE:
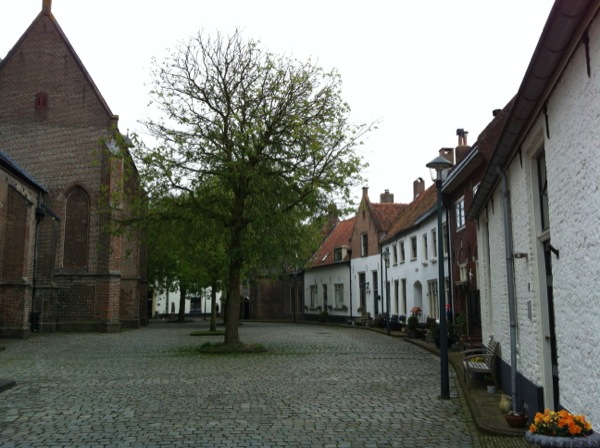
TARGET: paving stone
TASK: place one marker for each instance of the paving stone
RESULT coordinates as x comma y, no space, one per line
321,387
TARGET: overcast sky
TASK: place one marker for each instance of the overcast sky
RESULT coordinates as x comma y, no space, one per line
421,68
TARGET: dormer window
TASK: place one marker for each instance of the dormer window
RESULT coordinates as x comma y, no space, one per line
337,254
41,101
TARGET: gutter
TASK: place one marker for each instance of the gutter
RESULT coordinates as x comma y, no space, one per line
510,284
567,22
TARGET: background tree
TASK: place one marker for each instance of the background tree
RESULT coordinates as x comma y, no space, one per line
270,134
185,251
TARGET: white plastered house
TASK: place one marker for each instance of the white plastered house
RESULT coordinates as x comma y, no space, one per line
538,223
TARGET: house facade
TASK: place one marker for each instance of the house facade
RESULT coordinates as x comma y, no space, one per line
372,224
537,211
413,271
56,125
327,280
458,190
21,210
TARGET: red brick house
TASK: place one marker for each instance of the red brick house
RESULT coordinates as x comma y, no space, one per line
21,210
56,125
372,224
458,190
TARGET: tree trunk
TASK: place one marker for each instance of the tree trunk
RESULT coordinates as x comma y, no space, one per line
182,292
232,306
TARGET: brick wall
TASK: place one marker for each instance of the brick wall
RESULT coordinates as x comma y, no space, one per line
80,275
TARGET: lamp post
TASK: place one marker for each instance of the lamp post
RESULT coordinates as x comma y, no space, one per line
386,259
438,166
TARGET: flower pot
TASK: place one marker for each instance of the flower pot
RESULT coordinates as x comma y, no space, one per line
516,421
590,441
505,403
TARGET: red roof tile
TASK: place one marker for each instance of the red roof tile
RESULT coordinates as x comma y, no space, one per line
413,211
385,214
338,237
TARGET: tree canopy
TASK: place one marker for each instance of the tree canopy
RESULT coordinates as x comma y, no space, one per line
258,142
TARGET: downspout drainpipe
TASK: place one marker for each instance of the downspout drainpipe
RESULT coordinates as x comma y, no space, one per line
510,280
350,269
450,293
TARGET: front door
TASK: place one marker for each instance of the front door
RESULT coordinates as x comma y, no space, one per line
550,332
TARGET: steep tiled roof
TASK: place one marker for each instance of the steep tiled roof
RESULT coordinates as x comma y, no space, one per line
385,214
338,237
413,211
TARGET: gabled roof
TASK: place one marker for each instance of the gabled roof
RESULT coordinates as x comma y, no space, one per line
412,212
13,167
338,237
566,24
385,214
46,12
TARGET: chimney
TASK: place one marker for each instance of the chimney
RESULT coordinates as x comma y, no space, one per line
462,137
496,112
448,154
418,187
386,197
46,6
332,216
463,148
365,192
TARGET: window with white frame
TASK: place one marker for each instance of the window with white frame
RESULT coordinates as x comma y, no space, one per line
402,253
434,244
364,245
338,291
325,303
313,296
462,270
403,285
425,248
395,254
459,210
543,192
413,248
446,242
396,309
432,293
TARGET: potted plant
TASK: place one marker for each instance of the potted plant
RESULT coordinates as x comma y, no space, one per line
413,323
489,382
563,429
516,419
323,316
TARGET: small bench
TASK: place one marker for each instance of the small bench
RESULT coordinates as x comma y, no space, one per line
487,364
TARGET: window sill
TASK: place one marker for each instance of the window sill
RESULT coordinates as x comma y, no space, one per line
433,260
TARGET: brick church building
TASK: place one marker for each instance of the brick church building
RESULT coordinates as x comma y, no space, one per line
62,267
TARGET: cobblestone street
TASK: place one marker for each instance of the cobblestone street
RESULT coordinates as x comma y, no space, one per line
317,387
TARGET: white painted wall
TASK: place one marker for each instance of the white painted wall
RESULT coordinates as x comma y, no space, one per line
417,272
162,298
329,275
573,167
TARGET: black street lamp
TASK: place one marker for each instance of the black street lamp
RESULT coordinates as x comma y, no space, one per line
439,165
386,259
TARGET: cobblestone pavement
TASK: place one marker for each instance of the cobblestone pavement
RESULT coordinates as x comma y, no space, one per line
318,387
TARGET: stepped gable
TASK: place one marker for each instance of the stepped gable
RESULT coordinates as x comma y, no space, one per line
338,237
